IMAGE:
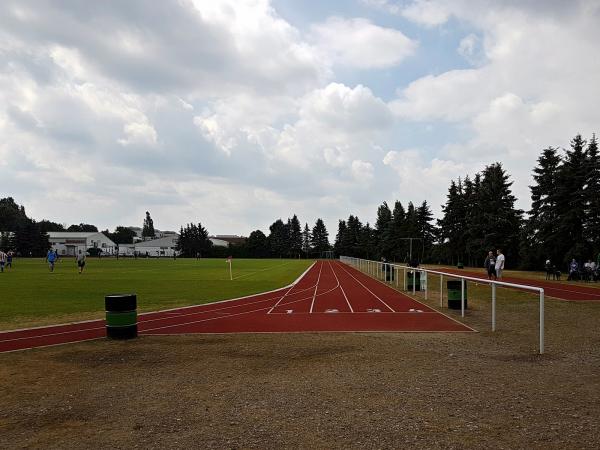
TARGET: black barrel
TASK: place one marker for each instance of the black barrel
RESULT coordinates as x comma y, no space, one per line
121,316
454,294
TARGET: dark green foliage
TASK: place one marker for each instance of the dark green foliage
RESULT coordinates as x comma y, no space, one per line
27,238
121,235
193,241
320,237
83,227
47,225
257,245
592,195
148,227
306,240
278,239
295,237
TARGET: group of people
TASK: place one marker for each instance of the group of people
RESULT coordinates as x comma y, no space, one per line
52,259
589,272
494,264
6,260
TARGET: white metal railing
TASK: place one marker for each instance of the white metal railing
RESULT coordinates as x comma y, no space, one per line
378,270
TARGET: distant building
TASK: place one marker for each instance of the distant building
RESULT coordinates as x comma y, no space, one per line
230,239
69,243
165,246
157,234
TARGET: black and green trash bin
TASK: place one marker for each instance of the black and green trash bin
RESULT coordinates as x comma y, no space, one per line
454,294
121,316
413,275
460,265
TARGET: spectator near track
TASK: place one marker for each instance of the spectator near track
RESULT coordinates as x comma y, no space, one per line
51,258
490,265
573,270
500,260
2,260
9,259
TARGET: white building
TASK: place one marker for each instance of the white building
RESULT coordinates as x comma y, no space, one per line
164,246
218,242
69,243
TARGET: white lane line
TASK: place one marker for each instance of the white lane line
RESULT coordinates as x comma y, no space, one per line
370,291
340,285
312,304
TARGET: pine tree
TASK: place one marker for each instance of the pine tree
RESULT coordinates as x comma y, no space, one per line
592,194
148,227
320,237
501,219
306,240
540,234
384,216
340,245
452,224
427,231
392,237
295,237
353,236
571,203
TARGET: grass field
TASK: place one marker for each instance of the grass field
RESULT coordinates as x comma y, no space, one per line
30,295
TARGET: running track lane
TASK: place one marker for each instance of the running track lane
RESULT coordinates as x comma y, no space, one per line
329,297
561,291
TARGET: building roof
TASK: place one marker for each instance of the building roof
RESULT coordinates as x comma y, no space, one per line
167,241
77,235
230,238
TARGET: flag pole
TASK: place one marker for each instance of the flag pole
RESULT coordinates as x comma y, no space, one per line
230,272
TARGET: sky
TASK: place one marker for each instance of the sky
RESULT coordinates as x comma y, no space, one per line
235,113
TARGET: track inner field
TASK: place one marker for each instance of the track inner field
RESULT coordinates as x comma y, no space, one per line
329,297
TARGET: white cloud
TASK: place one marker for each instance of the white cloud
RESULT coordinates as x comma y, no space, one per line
360,43
362,171
426,12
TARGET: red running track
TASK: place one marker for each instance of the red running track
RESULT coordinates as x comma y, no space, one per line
561,291
330,296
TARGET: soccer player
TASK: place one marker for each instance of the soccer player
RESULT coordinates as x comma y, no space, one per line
80,261
51,258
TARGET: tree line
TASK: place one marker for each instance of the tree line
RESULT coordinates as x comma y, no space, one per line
479,215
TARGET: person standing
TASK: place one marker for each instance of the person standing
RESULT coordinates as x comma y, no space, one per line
51,258
500,260
80,262
3,257
490,265
9,259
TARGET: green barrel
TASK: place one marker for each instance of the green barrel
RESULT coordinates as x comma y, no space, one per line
460,265
121,316
454,293
409,281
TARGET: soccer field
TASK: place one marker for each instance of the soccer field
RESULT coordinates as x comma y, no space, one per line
30,295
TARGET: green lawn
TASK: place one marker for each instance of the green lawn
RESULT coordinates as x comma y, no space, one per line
30,295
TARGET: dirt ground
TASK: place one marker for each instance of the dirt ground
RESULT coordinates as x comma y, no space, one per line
353,390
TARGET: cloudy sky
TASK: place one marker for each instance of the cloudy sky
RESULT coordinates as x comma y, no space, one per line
238,112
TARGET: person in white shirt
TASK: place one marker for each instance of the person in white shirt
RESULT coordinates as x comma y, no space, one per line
499,264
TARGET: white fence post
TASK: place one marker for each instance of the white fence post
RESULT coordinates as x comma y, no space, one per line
493,306
541,321
462,297
441,291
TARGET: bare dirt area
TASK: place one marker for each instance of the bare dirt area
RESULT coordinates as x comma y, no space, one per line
327,390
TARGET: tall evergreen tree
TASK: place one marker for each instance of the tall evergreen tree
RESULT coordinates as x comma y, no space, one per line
451,225
306,240
320,237
592,194
340,245
427,231
295,237
502,220
193,241
384,217
571,203
540,234
148,227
